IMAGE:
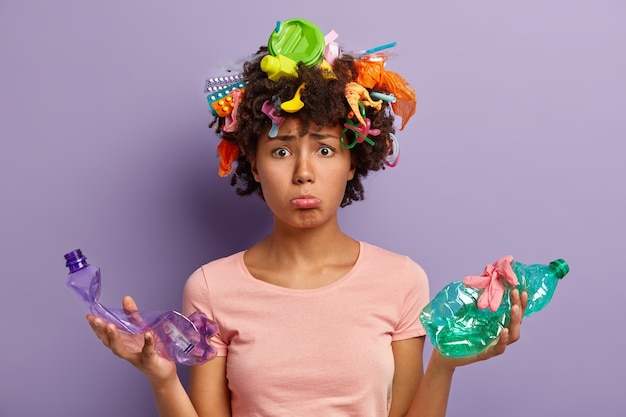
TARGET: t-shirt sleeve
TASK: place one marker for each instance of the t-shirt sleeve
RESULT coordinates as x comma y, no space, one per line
415,297
197,297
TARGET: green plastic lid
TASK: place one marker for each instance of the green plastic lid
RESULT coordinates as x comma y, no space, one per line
299,40
560,267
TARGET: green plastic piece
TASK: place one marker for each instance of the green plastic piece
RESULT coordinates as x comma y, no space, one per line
299,40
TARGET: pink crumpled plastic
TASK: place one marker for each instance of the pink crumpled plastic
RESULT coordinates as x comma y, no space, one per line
491,283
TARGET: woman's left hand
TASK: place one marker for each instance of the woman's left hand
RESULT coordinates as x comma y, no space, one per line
509,335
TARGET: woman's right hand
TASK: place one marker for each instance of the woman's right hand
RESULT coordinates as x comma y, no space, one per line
138,349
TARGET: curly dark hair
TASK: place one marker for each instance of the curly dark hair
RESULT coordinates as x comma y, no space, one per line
325,105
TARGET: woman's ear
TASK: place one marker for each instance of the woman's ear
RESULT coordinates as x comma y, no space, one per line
253,168
352,168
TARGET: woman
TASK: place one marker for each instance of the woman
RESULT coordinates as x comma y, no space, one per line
312,322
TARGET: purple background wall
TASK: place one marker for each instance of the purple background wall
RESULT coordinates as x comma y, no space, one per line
516,148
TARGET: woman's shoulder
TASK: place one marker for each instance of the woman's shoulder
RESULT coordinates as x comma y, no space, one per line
374,255
379,253
224,266
224,262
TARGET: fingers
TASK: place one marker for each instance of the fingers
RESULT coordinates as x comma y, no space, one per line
148,351
98,326
518,306
108,335
524,300
132,311
116,344
520,299
129,305
503,342
512,333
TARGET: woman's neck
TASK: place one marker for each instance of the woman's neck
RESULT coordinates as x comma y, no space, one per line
302,258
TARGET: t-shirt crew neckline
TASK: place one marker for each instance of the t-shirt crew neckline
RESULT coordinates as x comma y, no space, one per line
311,291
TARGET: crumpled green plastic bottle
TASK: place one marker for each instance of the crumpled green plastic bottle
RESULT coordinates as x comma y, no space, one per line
459,320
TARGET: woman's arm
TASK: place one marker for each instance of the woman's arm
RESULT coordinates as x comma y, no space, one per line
434,390
208,393
208,388
409,369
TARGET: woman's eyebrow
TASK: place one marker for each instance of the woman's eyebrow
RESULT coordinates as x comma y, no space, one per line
320,136
313,135
283,138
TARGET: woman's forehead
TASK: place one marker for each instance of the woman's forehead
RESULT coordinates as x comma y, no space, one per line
295,125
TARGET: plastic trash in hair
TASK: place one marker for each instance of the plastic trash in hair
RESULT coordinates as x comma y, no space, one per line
184,340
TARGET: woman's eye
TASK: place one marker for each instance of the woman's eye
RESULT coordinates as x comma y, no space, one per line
326,151
280,153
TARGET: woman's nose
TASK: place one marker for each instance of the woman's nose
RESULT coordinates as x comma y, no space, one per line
303,170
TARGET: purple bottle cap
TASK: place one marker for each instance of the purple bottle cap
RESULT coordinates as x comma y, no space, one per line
75,260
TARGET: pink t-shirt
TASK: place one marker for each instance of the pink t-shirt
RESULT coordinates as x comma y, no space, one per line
318,352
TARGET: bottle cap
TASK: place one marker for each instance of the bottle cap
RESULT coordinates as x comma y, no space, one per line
560,267
299,40
75,260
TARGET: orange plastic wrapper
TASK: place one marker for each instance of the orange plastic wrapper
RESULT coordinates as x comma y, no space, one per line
228,154
372,74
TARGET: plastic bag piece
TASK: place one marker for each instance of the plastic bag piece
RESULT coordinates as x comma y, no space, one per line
467,316
184,340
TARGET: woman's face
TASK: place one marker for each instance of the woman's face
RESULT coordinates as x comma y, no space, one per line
303,173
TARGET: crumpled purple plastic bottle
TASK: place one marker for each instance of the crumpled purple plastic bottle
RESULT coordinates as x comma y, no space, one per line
185,340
